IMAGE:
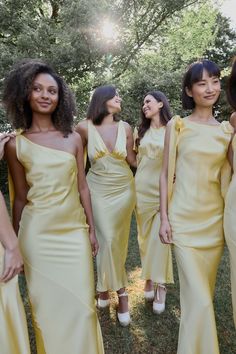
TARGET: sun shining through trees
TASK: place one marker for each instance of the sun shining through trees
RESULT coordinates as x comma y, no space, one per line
109,30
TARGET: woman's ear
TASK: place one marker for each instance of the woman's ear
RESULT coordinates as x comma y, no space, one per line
188,91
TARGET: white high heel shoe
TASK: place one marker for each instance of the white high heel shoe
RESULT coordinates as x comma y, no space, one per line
157,306
149,295
102,304
123,318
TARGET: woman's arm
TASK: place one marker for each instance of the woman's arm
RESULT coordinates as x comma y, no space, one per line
19,181
82,129
13,263
85,195
165,229
131,154
4,138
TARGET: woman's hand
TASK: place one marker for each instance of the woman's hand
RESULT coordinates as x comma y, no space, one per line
4,138
165,232
13,264
94,243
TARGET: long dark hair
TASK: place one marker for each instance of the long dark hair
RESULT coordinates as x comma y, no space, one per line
231,89
97,109
194,74
165,114
17,89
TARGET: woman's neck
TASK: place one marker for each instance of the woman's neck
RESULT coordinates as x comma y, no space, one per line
109,119
203,114
41,123
156,121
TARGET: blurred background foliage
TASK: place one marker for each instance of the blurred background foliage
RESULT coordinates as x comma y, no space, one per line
138,45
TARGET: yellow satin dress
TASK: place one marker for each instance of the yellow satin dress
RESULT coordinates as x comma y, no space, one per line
58,265
230,228
13,327
112,189
196,216
155,256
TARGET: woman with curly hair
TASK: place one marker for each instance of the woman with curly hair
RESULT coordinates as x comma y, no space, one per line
52,211
192,208
230,202
156,257
109,143
13,337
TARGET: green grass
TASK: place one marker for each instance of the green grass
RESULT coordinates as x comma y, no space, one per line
149,333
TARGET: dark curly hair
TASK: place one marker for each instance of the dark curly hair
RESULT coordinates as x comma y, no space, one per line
231,89
165,114
97,109
17,89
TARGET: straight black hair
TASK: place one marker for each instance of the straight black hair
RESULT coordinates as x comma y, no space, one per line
194,74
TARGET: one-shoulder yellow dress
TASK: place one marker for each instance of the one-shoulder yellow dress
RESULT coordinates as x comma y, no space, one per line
230,227
58,265
155,256
196,208
111,185
13,327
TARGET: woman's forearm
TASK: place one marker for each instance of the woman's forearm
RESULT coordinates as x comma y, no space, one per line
7,234
87,205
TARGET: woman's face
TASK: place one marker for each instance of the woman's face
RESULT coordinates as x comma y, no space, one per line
205,92
151,107
44,95
114,104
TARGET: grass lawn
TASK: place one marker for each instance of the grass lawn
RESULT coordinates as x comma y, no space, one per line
153,334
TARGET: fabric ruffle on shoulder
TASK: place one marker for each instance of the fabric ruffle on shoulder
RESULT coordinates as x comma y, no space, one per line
179,123
227,127
18,131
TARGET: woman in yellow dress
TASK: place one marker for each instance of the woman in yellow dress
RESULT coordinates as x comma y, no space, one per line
109,144
192,208
155,256
230,202
13,334
52,210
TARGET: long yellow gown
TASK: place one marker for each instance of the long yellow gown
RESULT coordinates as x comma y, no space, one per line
13,327
155,256
111,185
196,216
230,228
54,241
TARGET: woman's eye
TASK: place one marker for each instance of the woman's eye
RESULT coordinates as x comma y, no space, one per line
36,88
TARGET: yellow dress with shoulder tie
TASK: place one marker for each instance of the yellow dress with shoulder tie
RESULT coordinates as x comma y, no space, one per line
198,157
111,185
13,327
155,256
230,227
57,255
